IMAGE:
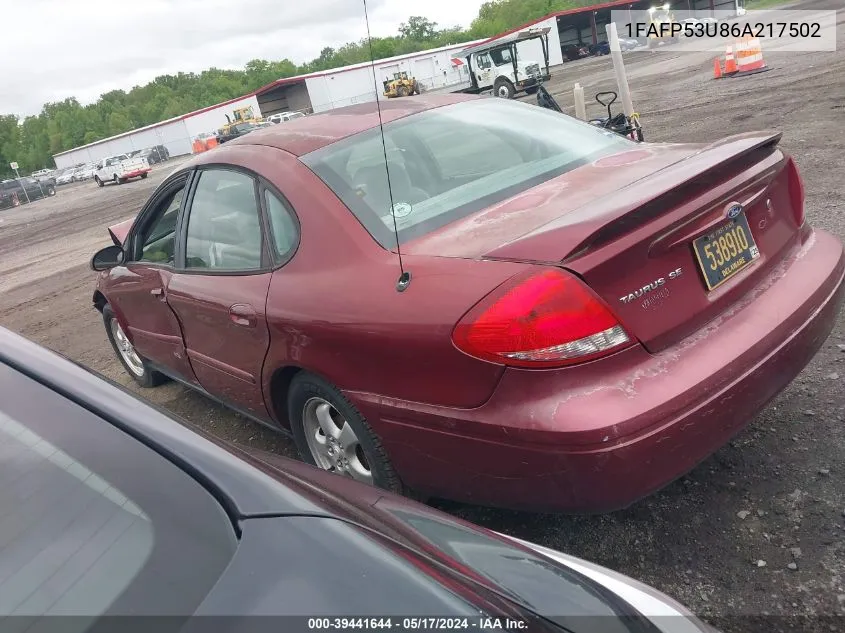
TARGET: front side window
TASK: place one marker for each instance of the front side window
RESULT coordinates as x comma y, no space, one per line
505,148
158,241
501,56
224,230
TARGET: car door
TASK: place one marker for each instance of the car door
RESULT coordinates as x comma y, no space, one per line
220,290
484,72
137,290
33,188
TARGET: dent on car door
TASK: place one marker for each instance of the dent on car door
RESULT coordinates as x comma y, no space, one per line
137,291
220,291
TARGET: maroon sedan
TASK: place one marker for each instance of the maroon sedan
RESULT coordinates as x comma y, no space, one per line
575,320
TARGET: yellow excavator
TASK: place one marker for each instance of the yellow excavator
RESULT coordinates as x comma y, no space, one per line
239,116
401,86
660,27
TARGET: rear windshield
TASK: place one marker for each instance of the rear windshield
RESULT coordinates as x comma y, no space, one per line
453,161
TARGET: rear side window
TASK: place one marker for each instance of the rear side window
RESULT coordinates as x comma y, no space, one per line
285,230
224,228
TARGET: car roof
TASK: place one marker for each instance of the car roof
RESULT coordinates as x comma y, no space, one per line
310,133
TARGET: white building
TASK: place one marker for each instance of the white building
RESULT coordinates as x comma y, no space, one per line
175,134
361,83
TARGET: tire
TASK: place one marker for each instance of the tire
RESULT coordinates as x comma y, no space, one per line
144,176
116,180
532,90
402,91
51,191
504,88
306,390
99,182
141,372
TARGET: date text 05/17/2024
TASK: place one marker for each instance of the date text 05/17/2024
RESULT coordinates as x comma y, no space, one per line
486,624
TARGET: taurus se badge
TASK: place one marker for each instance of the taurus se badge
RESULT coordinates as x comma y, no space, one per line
651,287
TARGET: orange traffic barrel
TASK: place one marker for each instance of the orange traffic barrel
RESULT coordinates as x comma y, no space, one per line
749,55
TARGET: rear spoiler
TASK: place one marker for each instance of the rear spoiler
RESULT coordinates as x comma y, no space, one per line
685,180
619,211
118,232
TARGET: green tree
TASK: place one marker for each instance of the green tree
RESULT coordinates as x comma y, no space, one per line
119,123
418,28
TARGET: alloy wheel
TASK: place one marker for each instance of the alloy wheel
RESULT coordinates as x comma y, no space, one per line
332,441
126,350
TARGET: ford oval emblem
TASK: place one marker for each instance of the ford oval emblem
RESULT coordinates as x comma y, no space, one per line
734,209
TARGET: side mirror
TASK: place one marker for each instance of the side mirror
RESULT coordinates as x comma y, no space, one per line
107,258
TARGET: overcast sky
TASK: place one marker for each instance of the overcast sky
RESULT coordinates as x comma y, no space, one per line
53,49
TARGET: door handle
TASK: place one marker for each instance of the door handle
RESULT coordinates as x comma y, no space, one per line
158,292
243,315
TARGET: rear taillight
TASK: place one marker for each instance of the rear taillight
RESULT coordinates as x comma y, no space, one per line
542,319
796,191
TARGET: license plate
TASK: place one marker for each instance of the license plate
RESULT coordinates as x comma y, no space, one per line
726,251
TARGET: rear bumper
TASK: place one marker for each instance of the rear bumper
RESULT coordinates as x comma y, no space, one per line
137,172
601,436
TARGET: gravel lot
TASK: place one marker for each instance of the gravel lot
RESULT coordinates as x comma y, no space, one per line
757,530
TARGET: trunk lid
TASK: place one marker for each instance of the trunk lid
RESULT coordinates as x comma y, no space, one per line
626,225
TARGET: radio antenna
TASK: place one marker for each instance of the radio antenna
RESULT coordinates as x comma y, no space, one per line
404,275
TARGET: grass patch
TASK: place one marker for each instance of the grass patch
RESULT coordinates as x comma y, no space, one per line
752,5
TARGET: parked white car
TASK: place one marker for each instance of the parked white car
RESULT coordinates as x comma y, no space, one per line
119,169
65,177
86,172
